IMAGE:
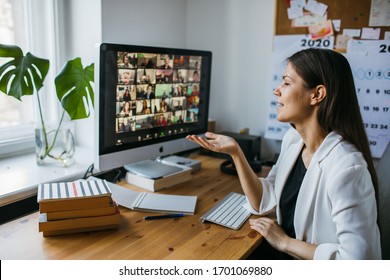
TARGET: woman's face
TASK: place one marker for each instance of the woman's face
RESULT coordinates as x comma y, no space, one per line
293,99
126,77
196,78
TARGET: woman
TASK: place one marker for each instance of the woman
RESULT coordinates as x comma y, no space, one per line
145,108
163,106
126,110
322,187
126,96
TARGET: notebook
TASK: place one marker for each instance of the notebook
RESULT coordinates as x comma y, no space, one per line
151,202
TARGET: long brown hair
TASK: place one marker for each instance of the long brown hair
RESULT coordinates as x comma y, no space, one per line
339,111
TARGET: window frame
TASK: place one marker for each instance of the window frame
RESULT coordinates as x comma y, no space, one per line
41,37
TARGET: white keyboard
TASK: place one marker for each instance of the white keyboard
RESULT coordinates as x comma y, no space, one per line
229,212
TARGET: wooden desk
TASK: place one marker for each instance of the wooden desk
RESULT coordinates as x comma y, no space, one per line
182,238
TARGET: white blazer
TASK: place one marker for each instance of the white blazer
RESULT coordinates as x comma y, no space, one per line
336,206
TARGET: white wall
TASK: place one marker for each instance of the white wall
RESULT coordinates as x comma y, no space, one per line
82,29
145,22
238,32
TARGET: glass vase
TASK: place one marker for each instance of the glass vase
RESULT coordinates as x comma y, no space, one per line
55,144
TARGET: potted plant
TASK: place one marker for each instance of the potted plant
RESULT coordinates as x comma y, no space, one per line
24,75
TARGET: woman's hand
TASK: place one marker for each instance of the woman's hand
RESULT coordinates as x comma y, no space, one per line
271,231
217,143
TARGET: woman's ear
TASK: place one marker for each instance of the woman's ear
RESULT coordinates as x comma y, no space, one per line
318,94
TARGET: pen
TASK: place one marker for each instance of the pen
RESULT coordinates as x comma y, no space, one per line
164,216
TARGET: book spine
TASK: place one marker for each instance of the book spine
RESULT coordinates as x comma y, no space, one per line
172,181
70,214
77,230
140,181
67,224
158,184
74,204
139,200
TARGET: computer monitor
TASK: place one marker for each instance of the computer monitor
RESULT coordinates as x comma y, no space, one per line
147,100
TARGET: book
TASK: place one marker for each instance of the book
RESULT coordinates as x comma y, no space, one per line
81,213
184,175
77,230
86,223
151,202
81,194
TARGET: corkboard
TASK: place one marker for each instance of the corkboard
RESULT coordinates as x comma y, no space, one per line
354,14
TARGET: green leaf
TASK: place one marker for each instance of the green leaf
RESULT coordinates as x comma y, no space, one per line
20,75
73,85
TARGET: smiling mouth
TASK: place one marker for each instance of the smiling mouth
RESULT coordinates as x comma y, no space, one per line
280,104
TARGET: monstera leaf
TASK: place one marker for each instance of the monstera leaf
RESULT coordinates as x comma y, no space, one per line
73,85
21,74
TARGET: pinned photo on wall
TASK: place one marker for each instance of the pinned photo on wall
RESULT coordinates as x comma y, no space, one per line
342,42
321,30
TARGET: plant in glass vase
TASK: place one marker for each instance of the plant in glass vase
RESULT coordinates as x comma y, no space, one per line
24,75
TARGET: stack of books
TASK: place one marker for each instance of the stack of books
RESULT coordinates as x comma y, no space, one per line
78,206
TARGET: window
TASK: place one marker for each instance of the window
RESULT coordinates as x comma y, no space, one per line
13,112
26,24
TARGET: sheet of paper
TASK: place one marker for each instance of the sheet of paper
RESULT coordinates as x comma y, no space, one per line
380,13
371,33
307,20
298,3
351,32
336,24
316,8
342,42
294,12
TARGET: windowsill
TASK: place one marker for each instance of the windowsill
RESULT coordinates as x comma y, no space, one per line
20,175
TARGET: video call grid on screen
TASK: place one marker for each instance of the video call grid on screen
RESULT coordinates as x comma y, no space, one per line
156,90
157,95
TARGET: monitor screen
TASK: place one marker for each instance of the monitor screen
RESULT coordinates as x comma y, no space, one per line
148,96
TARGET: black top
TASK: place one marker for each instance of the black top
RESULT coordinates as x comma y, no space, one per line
287,202
289,196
